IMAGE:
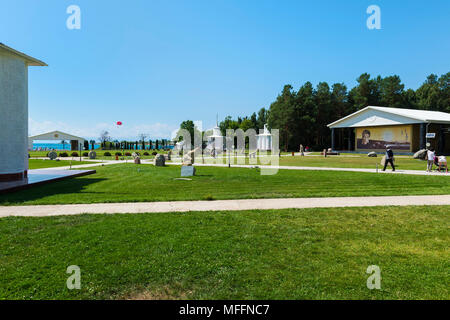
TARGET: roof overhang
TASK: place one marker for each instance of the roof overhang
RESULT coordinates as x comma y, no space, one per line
55,135
379,116
29,60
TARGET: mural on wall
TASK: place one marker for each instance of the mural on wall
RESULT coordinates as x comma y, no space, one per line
397,138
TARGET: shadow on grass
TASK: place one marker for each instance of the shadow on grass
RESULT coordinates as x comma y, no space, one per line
67,186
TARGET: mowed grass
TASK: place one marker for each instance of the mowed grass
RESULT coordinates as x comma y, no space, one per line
275,254
343,161
137,183
354,161
40,164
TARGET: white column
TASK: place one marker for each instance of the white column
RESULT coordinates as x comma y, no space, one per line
13,115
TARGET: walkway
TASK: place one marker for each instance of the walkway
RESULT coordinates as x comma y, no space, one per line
219,205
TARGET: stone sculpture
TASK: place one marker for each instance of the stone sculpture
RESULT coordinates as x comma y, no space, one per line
421,154
52,155
159,161
188,158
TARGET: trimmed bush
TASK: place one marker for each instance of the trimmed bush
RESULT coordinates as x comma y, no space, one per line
74,154
85,154
154,153
128,154
63,154
146,154
118,154
107,154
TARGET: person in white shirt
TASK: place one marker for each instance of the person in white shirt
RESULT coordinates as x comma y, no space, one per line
442,163
430,160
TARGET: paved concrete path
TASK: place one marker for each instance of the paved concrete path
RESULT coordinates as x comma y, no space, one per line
89,165
219,205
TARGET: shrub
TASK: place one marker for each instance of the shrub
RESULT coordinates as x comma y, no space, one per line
128,154
118,154
146,153
74,154
154,153
85,154
63,154
107,154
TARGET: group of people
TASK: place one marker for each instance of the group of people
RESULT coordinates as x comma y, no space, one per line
439,161
432,159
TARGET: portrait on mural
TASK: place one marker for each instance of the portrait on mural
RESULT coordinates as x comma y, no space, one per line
376,138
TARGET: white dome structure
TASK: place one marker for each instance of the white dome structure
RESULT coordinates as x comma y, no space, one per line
14,112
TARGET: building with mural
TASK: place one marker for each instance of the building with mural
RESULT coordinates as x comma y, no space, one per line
403,130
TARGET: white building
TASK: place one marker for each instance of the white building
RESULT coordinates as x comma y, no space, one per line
14,112
403,130
75,142
216,140
264,140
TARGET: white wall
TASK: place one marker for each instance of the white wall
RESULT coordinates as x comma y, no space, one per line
13,114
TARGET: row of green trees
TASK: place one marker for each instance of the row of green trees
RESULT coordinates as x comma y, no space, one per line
302,115
135,145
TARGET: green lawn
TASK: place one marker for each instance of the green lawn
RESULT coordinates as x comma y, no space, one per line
39,164
343,161
276,254
353,161
134,183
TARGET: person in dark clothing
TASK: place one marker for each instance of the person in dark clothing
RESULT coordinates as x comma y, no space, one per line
389,158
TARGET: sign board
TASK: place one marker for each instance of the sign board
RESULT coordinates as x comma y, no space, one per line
431,135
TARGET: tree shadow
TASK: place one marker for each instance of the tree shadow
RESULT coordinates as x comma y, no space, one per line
61,187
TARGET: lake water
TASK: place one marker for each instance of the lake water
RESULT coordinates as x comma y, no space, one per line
56,146
59,146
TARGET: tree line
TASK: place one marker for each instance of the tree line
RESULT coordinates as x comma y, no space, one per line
302,115
106,143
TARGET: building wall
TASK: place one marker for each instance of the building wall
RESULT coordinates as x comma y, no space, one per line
442,147
398,137
415,145
13,114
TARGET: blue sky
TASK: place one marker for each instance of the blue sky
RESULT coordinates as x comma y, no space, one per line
152,64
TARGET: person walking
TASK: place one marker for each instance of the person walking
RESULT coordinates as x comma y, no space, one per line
389,158
430,160
302,151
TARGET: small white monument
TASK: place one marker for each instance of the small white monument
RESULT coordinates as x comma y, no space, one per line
215,141
264,140
14,112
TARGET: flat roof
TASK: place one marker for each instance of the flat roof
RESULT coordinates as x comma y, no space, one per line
30,60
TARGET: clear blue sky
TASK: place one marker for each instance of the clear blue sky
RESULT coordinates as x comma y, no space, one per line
152,64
